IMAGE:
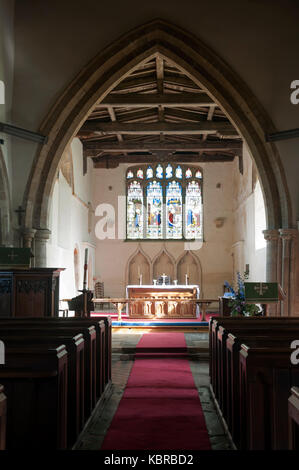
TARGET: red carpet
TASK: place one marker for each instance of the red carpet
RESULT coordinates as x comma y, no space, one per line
160,408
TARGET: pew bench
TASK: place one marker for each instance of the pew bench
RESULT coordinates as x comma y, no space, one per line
104,344
19,327
227,377
232,384
75,390
32,377
266,377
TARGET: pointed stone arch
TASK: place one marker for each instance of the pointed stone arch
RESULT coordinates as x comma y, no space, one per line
164,262
203,66
188,263
138,259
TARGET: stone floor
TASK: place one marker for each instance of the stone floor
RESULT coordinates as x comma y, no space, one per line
92,436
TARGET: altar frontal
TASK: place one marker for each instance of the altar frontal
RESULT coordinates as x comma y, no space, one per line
162,301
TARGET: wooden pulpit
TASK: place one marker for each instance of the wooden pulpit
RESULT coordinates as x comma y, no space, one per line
31,292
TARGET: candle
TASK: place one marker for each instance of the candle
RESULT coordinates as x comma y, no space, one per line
85,268
138,271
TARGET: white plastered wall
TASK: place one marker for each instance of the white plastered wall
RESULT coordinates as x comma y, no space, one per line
69,224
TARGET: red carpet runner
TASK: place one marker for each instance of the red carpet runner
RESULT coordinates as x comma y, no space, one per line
160,408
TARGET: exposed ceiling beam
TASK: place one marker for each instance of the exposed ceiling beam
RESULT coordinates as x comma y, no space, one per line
112,162
93,148
171,99
131,83
209,118
221,146
204,127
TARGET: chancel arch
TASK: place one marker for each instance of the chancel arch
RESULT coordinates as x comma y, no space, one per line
202,65
243,118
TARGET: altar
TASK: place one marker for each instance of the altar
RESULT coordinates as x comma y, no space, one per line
162,301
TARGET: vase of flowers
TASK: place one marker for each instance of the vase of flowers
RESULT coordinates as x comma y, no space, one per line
237,299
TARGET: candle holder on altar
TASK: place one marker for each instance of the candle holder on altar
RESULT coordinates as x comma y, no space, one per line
140,279
186,279
155,282
175,281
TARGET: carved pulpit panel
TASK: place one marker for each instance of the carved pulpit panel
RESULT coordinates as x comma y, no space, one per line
29,292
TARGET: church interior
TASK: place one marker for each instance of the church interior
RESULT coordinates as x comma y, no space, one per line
149,217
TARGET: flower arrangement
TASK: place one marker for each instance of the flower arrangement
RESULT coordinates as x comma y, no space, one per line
238,302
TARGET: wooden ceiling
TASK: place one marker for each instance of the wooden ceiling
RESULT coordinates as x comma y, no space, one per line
157,114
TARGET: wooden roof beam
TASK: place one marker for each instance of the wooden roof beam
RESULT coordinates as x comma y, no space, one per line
138,100
92,148
204,127
113,162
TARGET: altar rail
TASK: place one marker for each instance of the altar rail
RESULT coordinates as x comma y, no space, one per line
121,302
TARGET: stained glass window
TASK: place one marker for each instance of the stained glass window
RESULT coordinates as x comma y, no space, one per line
149,173
154,201
164,202
193,211
135,210
140,173
179,172
159,171
174,221
169,171
188,173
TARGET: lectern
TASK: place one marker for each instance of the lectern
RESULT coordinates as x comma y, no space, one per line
31,292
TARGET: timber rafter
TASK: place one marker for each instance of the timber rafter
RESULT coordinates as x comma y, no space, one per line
158,112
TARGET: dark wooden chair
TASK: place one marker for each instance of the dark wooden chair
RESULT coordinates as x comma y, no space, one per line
99,294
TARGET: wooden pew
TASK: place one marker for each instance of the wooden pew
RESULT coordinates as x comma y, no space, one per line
75,349
266,376
108,341
293,407
107,347
33,377
230,323
16,328
103,340
3,407
233,347
254,330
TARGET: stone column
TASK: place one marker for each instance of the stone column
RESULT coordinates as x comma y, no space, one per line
288,260
40,247
28,236
272,238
